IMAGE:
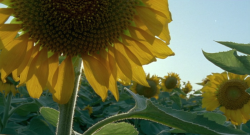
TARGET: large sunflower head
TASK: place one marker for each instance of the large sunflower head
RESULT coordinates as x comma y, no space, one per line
171,81
148,92
188,88
114,38
227,91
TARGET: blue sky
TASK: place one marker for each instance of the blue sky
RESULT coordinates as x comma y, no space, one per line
196,25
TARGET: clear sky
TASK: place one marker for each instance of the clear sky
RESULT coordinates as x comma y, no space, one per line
196,25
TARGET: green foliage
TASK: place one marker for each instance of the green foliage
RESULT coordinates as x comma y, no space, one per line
50,115
117,129
230,61
244,48
170,114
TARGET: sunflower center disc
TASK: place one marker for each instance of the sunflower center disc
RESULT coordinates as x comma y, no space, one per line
74,27
232,94
171,82
147,91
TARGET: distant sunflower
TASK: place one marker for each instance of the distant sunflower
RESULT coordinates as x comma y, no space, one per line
89,109
188,88
171,81
7,87
148,92
204,81
113,37
227,91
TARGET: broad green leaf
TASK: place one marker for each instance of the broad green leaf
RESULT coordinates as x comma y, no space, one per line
218,118
40,127
230,61
244,48
50,115
121,128
148,110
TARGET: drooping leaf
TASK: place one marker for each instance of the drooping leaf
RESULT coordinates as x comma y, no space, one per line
230,61
148,110
121,128
244,48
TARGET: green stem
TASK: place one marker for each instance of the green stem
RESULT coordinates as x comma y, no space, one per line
6,110
65,121
104,122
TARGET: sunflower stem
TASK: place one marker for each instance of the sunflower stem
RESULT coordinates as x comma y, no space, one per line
6,111
65,121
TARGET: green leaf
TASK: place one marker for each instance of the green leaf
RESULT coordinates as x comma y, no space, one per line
50,115
176,131
151,128
26,108
230,61
218,118
40,127
244,48
121,128
148,110
176,98
179,91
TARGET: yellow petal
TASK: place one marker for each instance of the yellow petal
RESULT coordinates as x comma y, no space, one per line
5,14
7,33
149,19
157,47
24,72
65,82
135,66
159,5
13,90
38,74
97,75
143,54
53,65
12,56
223,109
122,61
17,72
113,77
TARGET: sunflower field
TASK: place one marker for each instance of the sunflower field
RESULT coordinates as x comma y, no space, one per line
75,67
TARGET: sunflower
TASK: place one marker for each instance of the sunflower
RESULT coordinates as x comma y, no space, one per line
171,81
188,88
7,87
204,81
114,38
148,92
227,91
89,108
